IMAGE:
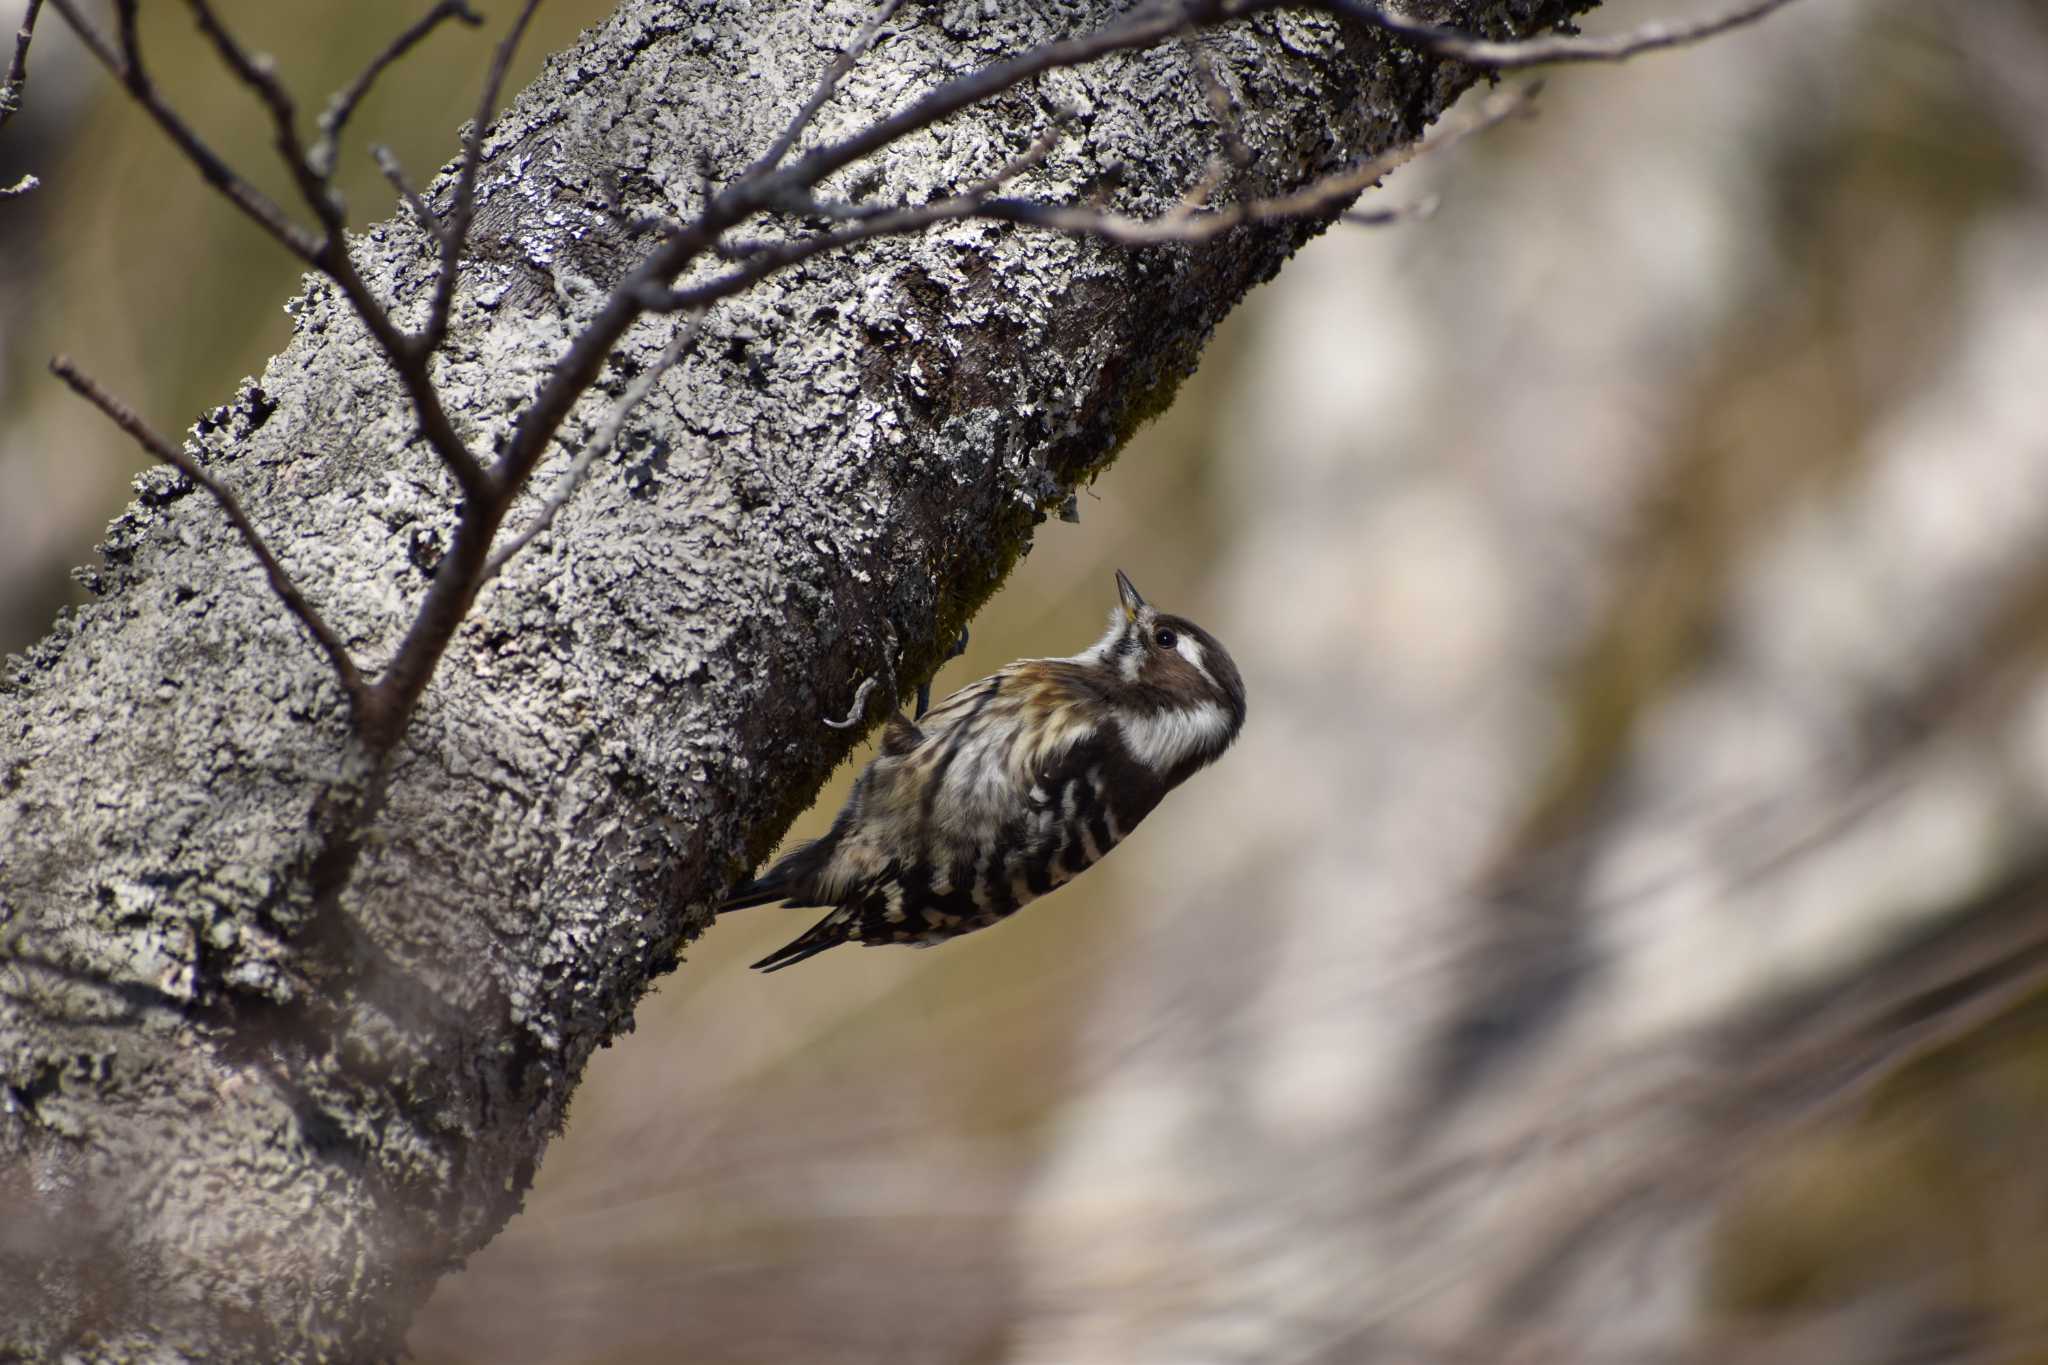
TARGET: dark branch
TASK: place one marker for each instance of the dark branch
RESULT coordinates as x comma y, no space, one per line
1553,50
457,581
334,121
280,582
1188,222
455,235
125,63
827,83
636,393
408,358
1138,30
16,79
767,186
387,162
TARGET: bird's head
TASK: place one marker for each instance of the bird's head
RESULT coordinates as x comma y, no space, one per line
1177,691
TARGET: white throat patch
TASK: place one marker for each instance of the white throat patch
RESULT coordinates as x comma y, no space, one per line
1163,740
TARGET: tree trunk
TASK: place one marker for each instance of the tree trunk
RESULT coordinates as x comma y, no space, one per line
284,1033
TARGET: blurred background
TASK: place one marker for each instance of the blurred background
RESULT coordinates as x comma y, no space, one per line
1612,939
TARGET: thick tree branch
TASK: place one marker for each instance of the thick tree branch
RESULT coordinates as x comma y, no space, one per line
1556,50
410,932
122,416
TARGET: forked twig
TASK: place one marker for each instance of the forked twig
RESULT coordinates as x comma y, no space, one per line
1555,49
827,83
608,434
125,64
462,212
773,183
343,106
281,583
1186,222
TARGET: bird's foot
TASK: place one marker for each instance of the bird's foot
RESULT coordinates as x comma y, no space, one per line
924,689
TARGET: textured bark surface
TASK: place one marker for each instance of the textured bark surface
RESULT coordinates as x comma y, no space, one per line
300,1032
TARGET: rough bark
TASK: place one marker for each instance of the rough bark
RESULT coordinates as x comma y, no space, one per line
282,1036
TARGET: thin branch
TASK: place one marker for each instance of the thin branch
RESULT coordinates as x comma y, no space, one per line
331,256
280,582
258,73
343,106
827,83
456,582
1185,223
16,79
635,394
125,64
462,213
1555,49
769,185
1191,223
1156,22
387,162
762,259
1138,30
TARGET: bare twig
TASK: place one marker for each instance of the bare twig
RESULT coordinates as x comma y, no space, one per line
827,83
125,63
387,162
635,394
259,75
343,106
280,582
1187,222
12,85
462,211
1141,29
408,356
860,706
760,259
16,79
1556,49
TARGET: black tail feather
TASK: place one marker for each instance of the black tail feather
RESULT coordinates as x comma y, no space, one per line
785,881
761,891
828,932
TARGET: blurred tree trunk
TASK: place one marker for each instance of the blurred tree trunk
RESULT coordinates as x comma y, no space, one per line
1661,757
261,1085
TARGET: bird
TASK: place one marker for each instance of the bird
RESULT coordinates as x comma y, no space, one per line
1011,787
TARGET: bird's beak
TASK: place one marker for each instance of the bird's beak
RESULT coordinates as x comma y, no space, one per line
1128,595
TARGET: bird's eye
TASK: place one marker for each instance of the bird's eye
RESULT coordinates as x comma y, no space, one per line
1165,638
